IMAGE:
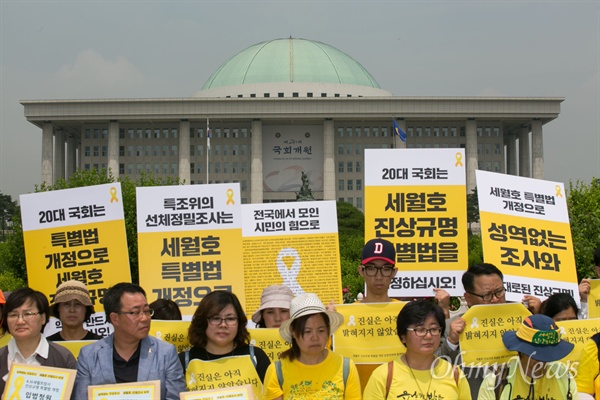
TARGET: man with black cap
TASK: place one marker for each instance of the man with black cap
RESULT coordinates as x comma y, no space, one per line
378,268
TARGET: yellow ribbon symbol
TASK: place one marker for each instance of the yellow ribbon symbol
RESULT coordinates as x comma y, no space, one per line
18,383
458,160
230,197
558,193
113,195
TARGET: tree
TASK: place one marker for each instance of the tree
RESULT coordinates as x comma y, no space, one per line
472,208
351,234
8,209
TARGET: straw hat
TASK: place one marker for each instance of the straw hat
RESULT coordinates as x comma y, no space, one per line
308,304
274,296
72,290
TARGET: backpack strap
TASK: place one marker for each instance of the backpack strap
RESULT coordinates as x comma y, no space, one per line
252,356
346,371
501,380
279,373
187,359
456,374
388,381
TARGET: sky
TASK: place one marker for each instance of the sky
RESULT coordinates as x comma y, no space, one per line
168,49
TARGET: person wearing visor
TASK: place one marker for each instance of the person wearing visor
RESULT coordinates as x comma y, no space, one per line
535,372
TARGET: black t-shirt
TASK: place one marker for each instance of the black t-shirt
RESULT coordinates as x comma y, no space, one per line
57,338
126,371
262,360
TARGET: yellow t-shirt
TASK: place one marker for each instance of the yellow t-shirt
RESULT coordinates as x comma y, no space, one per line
321,381
407,385
554,385
588,368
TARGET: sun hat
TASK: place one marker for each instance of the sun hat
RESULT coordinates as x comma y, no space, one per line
378,249
539,338
308,304
274,296
72,290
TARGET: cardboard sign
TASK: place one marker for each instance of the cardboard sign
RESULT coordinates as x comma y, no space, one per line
149,390
26,380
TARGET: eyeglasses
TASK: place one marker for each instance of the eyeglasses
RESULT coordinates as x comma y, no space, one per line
27,316
229,321
371,270
138,314
489,296
422,332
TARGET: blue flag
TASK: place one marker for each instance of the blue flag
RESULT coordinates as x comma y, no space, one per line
399,132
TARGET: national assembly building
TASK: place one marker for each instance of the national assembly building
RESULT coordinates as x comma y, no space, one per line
279,109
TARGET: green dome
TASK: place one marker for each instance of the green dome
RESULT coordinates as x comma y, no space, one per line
290,61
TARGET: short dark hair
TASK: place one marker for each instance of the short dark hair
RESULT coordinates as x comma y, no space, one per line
297,328
597,257
210,306
112,297
476,270
89,310
558,302
166,309
21,296
416,312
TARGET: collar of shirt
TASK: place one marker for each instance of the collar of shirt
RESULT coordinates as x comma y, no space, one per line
14,355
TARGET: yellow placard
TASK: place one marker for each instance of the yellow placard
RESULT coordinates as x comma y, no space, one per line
224,373
74,346
24,379
481,341
369,334
148,390
174,332
578,332
270,341
594,299
238,393
5,339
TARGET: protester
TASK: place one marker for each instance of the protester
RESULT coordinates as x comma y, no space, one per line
166,309
218,329
534,373
72,306
129,354
584,287
274,307
378,268
560,307
27,312
588,376
418,373
309,370
2,304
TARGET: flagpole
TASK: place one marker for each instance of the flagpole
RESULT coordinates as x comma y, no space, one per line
207,147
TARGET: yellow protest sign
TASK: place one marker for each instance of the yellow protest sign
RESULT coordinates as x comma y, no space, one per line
416,199
190,242
525,232
74,346
226,372
76,234
244,392
50,382
594,299
294,244
578,332
5,339
270,341
149,390
481,341
368,334
174,332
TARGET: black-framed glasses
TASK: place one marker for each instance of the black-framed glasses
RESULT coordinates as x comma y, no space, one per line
138,314
385,270
216,320
27,316
422,332
489,296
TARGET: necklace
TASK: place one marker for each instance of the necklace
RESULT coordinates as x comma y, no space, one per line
423,395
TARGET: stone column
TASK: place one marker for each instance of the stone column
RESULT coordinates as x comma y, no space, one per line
511,157
59,154
185,175
398,143
256,169
328,160
524,159
471,153
71,154
537,149
113,149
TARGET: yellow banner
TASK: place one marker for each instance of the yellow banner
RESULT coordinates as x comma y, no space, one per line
594,299
74,346
149,390
577,332
481,341
95,254
5,339
185,266
174,332
369,332
49,382
227,372
269,341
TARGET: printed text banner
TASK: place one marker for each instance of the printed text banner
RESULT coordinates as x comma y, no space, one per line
578,332
52,383
190,242
294,244
481,341
594,299
149,390
226,372
525,232
369,334
238,393
76,234
174,332
270,341
416,198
